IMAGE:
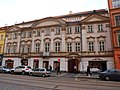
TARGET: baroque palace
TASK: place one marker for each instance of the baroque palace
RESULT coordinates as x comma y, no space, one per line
77,39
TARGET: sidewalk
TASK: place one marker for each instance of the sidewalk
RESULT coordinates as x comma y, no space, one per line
72,75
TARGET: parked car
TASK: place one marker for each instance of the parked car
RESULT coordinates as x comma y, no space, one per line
21,69
4,69
40,72
110,74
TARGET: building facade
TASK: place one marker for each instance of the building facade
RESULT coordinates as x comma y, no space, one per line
2,39
78,39
114,10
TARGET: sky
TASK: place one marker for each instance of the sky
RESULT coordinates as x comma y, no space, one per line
17,11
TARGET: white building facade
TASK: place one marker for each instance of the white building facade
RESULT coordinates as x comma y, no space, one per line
80,40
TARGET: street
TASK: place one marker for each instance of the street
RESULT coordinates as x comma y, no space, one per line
20,82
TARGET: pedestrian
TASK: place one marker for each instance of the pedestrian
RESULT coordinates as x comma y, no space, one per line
58,70
75,69
88,71
50,68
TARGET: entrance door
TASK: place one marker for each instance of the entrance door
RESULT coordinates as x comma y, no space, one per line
45,64
24,62
36,64
56,63
9,63
71,64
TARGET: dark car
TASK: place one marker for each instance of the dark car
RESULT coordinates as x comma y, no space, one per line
4,69
110,74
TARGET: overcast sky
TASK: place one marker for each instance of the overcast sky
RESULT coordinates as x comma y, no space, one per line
16,11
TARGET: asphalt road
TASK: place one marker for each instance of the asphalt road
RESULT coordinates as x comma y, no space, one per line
20,82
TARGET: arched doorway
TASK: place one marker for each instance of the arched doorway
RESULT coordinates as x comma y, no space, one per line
71,64
9,63
24,62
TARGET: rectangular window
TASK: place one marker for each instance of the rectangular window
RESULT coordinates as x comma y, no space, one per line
100,27
91,46
101,45
47,32
116,3
47,46
118,39
117,20
1,37
90,28
69,47
14,35
23,34
28,48
77,29
37,47
57,30
37,32
69,30
8,49
23,48
29,34
57,47
77,46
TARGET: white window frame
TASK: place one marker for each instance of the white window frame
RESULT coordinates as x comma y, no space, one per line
69,46
90,28
77,47
100,27
47,47
37,47
77,29
101,45
90,46
47,32
57,46
57,30
69,30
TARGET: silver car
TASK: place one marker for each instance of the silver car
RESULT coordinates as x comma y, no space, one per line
40,72
4,69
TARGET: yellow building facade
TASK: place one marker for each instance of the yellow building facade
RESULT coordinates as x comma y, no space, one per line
2,40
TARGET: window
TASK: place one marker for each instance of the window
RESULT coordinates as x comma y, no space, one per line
10,36
57,46
38,33
8,49
28,48
118,39
101,45
37,47
90,28
47,32
23,48
23,34
91,46
14,35
29,34
117,20
57,31
1,37
77,46
69,47
47,46
100,27
77,29
14,49
69,30
0,48
116,3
